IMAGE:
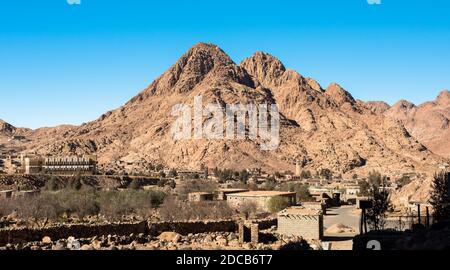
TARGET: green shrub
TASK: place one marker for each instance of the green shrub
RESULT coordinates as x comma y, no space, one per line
277,204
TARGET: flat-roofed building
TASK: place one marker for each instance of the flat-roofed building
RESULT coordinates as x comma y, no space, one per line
224,192
70,165
301,222
260,198
32,165
200,196
315,206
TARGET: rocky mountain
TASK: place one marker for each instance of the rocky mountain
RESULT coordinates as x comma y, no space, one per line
320,128
428,122
6,129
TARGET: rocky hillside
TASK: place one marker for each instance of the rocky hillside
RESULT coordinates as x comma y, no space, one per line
6,129
429,122
321,128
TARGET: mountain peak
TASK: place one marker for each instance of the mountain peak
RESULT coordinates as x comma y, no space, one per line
403,105
339,94
208,50
377,107
203,60
264,67
443,98
6,128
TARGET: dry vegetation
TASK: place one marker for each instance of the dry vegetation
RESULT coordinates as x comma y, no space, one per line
68,204
175,210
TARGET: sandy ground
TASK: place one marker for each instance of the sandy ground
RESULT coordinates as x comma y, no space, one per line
346,215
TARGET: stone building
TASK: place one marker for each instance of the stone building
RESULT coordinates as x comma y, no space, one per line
32,165
260,198
200,196
85,165
301,222
67,165
224,192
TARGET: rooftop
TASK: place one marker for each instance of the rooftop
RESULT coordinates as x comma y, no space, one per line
233,190
264,194
301,211
200,193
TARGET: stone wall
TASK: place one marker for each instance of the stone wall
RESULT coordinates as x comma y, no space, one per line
185,228
14,236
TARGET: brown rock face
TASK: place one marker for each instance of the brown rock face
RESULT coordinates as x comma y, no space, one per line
377,107
322,129
6,129
429,122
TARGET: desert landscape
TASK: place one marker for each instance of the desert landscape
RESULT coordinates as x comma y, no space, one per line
335,151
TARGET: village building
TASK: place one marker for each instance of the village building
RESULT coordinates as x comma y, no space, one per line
315,206
200,196
32,165
260,198
224,192
85,165
301,222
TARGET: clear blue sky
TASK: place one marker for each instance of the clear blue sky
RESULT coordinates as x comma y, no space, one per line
63,63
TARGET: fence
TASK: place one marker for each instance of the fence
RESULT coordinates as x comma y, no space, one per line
403,223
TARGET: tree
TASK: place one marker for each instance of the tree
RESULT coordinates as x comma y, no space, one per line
364,188
440,196
302,190
303,194
159,167
306,175
376,216
40,209
355,176
376,179
244,176
173,173
248,208
326,174
277,204
270,183
167,182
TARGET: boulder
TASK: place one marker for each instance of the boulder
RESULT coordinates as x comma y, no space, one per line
169,237
46,240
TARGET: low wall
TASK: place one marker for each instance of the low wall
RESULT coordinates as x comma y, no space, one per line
14,236
185,228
